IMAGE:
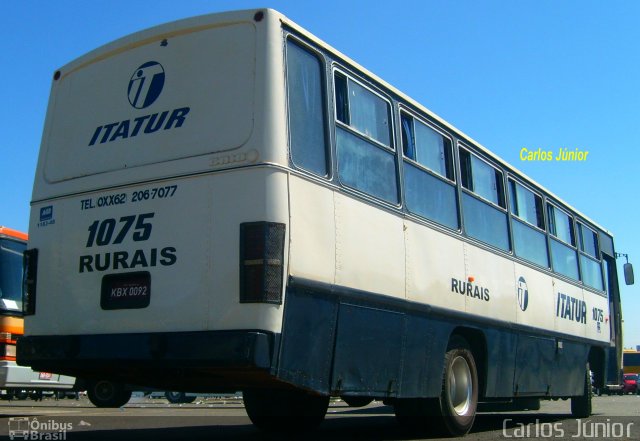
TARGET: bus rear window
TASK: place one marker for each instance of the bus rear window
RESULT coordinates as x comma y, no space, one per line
306,115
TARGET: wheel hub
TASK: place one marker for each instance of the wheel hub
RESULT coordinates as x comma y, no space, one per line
460,386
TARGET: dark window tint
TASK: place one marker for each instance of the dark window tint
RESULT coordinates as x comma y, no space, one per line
427,147
591,272
590,257
526,205
366,167
362,110
485,222
366,161
342,101
560,225
430,197
11,274
588,241
481,178
565,260
530,244
306,114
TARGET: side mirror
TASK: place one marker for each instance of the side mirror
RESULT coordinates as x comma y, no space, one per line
628,274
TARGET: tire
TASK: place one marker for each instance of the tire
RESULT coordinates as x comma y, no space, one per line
107,394
581,405
354,401
179,398
459,396
454,411
284,410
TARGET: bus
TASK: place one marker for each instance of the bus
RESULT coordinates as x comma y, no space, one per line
249,209
17,381
631,361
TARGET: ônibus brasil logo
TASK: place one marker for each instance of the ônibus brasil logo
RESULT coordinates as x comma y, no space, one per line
146,84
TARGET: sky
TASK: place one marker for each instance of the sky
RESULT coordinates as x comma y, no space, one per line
510,74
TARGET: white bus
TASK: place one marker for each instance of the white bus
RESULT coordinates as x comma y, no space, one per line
227,203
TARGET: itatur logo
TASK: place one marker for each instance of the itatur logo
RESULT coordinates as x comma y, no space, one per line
146,84
523,293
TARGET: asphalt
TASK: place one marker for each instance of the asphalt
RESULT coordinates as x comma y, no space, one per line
615,417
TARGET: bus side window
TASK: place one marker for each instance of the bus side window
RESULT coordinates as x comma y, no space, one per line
563,252
529,238
428,169
306,110
590,257
483,206
366,160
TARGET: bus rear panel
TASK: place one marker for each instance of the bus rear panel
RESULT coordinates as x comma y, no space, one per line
148,185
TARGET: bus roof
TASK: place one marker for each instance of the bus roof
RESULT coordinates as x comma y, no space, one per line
15,234
194,24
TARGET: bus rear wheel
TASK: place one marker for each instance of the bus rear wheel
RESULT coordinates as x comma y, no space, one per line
454,411
103,393
179,397
459,396
284,410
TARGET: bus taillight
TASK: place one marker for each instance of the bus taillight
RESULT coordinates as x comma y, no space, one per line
7,351
261,262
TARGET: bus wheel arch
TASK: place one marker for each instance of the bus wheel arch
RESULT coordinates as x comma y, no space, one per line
453,411
477,343
597,365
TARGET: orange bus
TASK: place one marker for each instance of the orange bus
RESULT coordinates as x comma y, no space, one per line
17,381
631,361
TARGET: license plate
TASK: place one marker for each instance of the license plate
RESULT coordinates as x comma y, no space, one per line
126,291
45,376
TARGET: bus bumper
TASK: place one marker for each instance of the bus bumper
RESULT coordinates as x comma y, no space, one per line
198,361
13,376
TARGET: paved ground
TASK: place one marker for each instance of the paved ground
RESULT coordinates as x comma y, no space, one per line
214,419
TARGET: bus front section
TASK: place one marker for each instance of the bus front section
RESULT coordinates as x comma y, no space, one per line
17,381
158,226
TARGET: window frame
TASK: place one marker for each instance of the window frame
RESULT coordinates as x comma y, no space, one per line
329,160
406,163
336,124
579,239
517,221
352,77
12,245
402,109
464,146
517,218
597,259
554,237
571,224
